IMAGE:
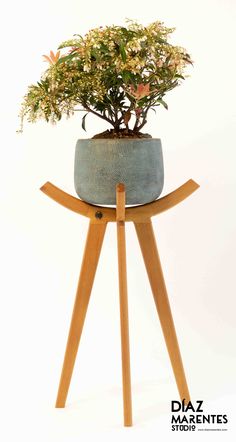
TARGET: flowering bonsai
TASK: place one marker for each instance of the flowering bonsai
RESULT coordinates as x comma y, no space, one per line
116,73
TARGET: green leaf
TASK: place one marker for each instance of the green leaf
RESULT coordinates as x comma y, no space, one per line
179,76
100,106
126,31
126,77
104,48
94,54
122,52
83,121
36,106
58,114
65,58
163,103
143,101
162,40
168,59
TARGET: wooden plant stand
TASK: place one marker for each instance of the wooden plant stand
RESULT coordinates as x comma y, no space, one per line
141,217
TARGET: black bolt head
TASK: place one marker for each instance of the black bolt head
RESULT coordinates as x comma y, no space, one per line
98,215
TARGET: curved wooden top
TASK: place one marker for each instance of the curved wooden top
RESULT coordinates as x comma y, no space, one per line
99,214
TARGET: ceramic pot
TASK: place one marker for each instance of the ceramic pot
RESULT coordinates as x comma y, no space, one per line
102,163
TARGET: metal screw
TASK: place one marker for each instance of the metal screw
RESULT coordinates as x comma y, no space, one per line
98,215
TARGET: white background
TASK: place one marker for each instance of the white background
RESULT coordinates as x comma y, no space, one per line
42,243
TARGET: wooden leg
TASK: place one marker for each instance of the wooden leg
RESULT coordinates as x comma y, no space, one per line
124,320
152,261
92,251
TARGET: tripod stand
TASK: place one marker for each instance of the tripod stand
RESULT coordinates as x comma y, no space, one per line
141,217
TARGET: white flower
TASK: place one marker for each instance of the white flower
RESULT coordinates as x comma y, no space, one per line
144,38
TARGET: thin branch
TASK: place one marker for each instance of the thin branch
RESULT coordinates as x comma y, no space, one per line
141,125
136,122
99,115
138,128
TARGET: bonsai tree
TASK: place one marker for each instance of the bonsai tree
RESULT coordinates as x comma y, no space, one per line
116,73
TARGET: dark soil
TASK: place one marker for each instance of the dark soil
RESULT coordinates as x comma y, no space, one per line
122,133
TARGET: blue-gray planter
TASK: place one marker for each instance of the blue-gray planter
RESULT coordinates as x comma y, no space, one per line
102,163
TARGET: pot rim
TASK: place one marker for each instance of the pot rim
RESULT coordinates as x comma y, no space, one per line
119,139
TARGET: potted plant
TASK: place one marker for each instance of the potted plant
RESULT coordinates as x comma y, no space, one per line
119,74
